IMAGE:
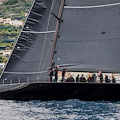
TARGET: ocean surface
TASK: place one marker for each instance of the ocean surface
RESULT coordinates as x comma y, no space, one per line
59,110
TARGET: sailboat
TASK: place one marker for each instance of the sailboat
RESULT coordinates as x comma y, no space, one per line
80,35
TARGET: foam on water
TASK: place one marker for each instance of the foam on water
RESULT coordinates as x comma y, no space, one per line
57,110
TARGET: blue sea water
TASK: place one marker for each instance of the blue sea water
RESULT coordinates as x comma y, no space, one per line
59,110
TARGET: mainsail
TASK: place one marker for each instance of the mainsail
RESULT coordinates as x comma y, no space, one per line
85,37
31,55
89,36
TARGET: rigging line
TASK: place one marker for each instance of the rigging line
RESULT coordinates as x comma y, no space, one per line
44,32
45,36
24,73
46,56
98,6
54,1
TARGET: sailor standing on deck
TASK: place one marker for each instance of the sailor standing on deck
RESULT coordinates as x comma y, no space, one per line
94,77
113,80
63,74
106,78
100,76
51,74
77,78
56,73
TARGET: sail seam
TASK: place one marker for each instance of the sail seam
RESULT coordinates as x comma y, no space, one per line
39,32
96,40
98,6
25,72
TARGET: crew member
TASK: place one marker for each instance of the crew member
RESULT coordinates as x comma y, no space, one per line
51,74
106,78
89,79
82,78
113,80
56,73
100,76
77,78
68,79
63,74
71,79
94,77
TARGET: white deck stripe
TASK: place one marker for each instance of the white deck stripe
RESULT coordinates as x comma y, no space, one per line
25,72
98,6
44,32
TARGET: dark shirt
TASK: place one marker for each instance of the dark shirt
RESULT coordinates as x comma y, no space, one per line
63,72
101,76
77,78
113,80
106,79
93,77
67,80
70,80
89,79
56,71
51,73
82,79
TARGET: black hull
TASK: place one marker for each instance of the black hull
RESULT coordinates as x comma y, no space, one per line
65,91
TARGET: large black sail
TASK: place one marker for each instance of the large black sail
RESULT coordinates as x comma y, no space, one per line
89,37
31,55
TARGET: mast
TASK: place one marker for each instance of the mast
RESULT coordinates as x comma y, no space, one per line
57,29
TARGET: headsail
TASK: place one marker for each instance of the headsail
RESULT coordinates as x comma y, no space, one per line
31,54
89,37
